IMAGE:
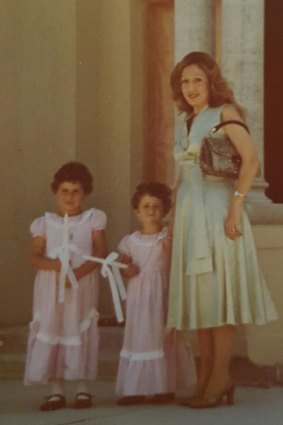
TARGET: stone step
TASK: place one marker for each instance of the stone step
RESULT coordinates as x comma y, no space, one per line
15,339
13,352
12,365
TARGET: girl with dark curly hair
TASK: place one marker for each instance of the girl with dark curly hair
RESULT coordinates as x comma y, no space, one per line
63,339
215,280
149,361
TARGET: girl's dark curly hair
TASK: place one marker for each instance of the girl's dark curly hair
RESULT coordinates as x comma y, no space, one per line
73,172
219,91
156,189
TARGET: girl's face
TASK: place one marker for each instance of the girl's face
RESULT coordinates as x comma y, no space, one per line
69,197
194,86
150,211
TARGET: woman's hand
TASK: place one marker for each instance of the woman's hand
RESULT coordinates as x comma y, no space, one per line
232,223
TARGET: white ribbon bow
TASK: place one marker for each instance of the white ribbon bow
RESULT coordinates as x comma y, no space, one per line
116,284
63,253
66,270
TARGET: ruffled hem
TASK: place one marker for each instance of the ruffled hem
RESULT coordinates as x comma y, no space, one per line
141,377
52,356
142,356
59,339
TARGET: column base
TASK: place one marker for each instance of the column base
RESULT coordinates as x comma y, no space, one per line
260,208
257,193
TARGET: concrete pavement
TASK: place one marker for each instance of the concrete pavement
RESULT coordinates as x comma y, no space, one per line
19,406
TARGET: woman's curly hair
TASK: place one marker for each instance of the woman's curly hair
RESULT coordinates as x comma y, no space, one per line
156,189
219,90
73,172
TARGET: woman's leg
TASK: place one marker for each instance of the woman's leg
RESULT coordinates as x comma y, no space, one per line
206,352
223,338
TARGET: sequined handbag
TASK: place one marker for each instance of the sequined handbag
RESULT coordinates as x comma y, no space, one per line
218,156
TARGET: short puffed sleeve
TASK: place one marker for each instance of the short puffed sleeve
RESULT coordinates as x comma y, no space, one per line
124,246
98,220
38,227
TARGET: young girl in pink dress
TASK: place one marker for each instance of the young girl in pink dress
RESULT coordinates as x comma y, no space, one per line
63,338
152,364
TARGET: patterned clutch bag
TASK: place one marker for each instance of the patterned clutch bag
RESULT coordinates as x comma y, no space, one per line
218,156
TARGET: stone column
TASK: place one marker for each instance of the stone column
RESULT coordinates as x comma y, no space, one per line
194,30
242,64
159,134
194,22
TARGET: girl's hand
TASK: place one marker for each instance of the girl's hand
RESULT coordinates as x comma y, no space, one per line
126,259
56,265
37,256
78,272
67,283
131,271
99,250
232,223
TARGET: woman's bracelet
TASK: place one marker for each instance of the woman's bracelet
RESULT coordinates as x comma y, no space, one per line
238,194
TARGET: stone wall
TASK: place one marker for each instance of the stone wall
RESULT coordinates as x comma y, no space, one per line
38,121
72,88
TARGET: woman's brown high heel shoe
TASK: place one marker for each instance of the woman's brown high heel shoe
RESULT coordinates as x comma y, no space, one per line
202,403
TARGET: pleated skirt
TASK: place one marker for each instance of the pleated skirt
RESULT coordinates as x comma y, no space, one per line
235,292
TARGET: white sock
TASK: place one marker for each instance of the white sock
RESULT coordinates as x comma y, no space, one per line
57,387
82,387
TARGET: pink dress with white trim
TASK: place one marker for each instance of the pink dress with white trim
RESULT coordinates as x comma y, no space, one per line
63,337
151,362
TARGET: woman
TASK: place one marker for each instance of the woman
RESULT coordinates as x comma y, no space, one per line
215,281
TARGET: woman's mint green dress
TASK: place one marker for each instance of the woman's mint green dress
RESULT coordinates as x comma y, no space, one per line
214,281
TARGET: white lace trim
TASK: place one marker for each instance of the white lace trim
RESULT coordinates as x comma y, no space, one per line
58,339
149,240
86,323
146,355
52,219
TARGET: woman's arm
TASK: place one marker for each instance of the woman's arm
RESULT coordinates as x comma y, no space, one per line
249,168
246,148
37,258
99,250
